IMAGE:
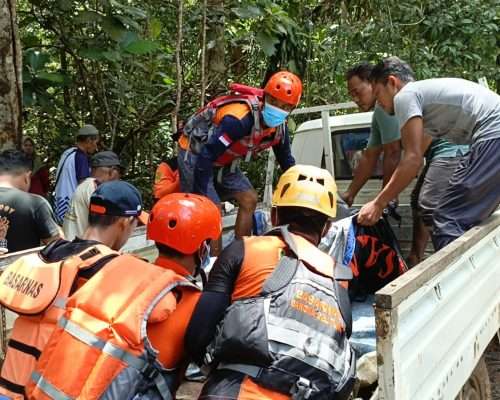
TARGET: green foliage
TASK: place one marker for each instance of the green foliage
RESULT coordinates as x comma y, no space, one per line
111,63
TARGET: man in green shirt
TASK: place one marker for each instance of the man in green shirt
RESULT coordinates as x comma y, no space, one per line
385,136
441,160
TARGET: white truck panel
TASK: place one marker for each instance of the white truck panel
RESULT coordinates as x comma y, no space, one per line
308,149
429,342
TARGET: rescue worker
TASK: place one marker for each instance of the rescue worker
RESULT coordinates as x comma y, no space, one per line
451,108
167,179
78,261
233,134
121,350
269,297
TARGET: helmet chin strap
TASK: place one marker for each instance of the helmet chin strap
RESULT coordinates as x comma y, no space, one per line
198,269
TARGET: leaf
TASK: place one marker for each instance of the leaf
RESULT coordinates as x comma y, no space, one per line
112,55
28,99
141,47
133,11
36,59
155,27
129,37
267,42
88,16
128,22
92,53
167,80
114,28
52,77
247,12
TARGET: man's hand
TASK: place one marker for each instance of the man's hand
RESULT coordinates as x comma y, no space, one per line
370,213
348,198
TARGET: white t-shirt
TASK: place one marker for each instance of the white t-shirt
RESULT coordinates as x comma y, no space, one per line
455,109
76,218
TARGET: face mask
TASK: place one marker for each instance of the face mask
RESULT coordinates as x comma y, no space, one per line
273,116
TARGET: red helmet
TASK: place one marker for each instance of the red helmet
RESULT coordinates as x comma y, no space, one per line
284,86
183,221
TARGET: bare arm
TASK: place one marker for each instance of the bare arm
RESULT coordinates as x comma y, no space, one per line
59,235
413,141
364,170
392,157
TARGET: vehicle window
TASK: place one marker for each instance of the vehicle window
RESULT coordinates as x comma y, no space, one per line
348,146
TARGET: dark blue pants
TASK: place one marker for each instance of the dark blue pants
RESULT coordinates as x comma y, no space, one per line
472,195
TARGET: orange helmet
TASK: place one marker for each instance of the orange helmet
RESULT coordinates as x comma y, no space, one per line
183,221
284,86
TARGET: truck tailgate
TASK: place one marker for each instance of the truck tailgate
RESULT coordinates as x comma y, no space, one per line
434,323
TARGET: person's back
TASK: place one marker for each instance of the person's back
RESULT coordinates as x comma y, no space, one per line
69,265
457,109
26,220
192,221
167,179
163,295
105,167
73,168
267,297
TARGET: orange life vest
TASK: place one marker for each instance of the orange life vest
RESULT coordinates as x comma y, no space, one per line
101,347
203,124
291,337
37,291
254,143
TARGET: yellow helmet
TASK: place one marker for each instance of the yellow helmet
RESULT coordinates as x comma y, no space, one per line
309,187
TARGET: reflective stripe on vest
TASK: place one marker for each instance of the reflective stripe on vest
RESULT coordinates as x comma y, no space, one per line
252,144
115,338
49,389
293,328
106,347
31,332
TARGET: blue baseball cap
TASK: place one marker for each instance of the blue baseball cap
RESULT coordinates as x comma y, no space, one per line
118,198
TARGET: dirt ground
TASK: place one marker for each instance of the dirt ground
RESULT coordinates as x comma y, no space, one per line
189,391
493,362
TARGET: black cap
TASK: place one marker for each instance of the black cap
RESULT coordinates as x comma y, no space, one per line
105,159
117,198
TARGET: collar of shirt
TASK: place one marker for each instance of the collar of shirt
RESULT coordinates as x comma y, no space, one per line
165,262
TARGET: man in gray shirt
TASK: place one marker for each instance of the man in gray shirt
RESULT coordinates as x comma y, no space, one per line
459,110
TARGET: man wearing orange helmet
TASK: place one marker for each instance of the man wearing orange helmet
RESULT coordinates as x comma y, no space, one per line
273,322
123,336
235,132
182,226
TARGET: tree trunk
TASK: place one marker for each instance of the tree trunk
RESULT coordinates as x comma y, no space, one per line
10,77
216,63
203,62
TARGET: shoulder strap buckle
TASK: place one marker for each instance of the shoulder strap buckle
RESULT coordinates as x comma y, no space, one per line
302,389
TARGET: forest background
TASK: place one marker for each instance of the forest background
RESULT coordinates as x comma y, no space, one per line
133,68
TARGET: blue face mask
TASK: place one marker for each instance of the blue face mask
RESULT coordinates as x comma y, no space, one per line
273,116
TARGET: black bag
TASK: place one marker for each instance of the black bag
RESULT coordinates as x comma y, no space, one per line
377,259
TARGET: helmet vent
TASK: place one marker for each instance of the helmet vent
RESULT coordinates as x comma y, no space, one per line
330,196
172,223
278,87
285,188
302,177
321,181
